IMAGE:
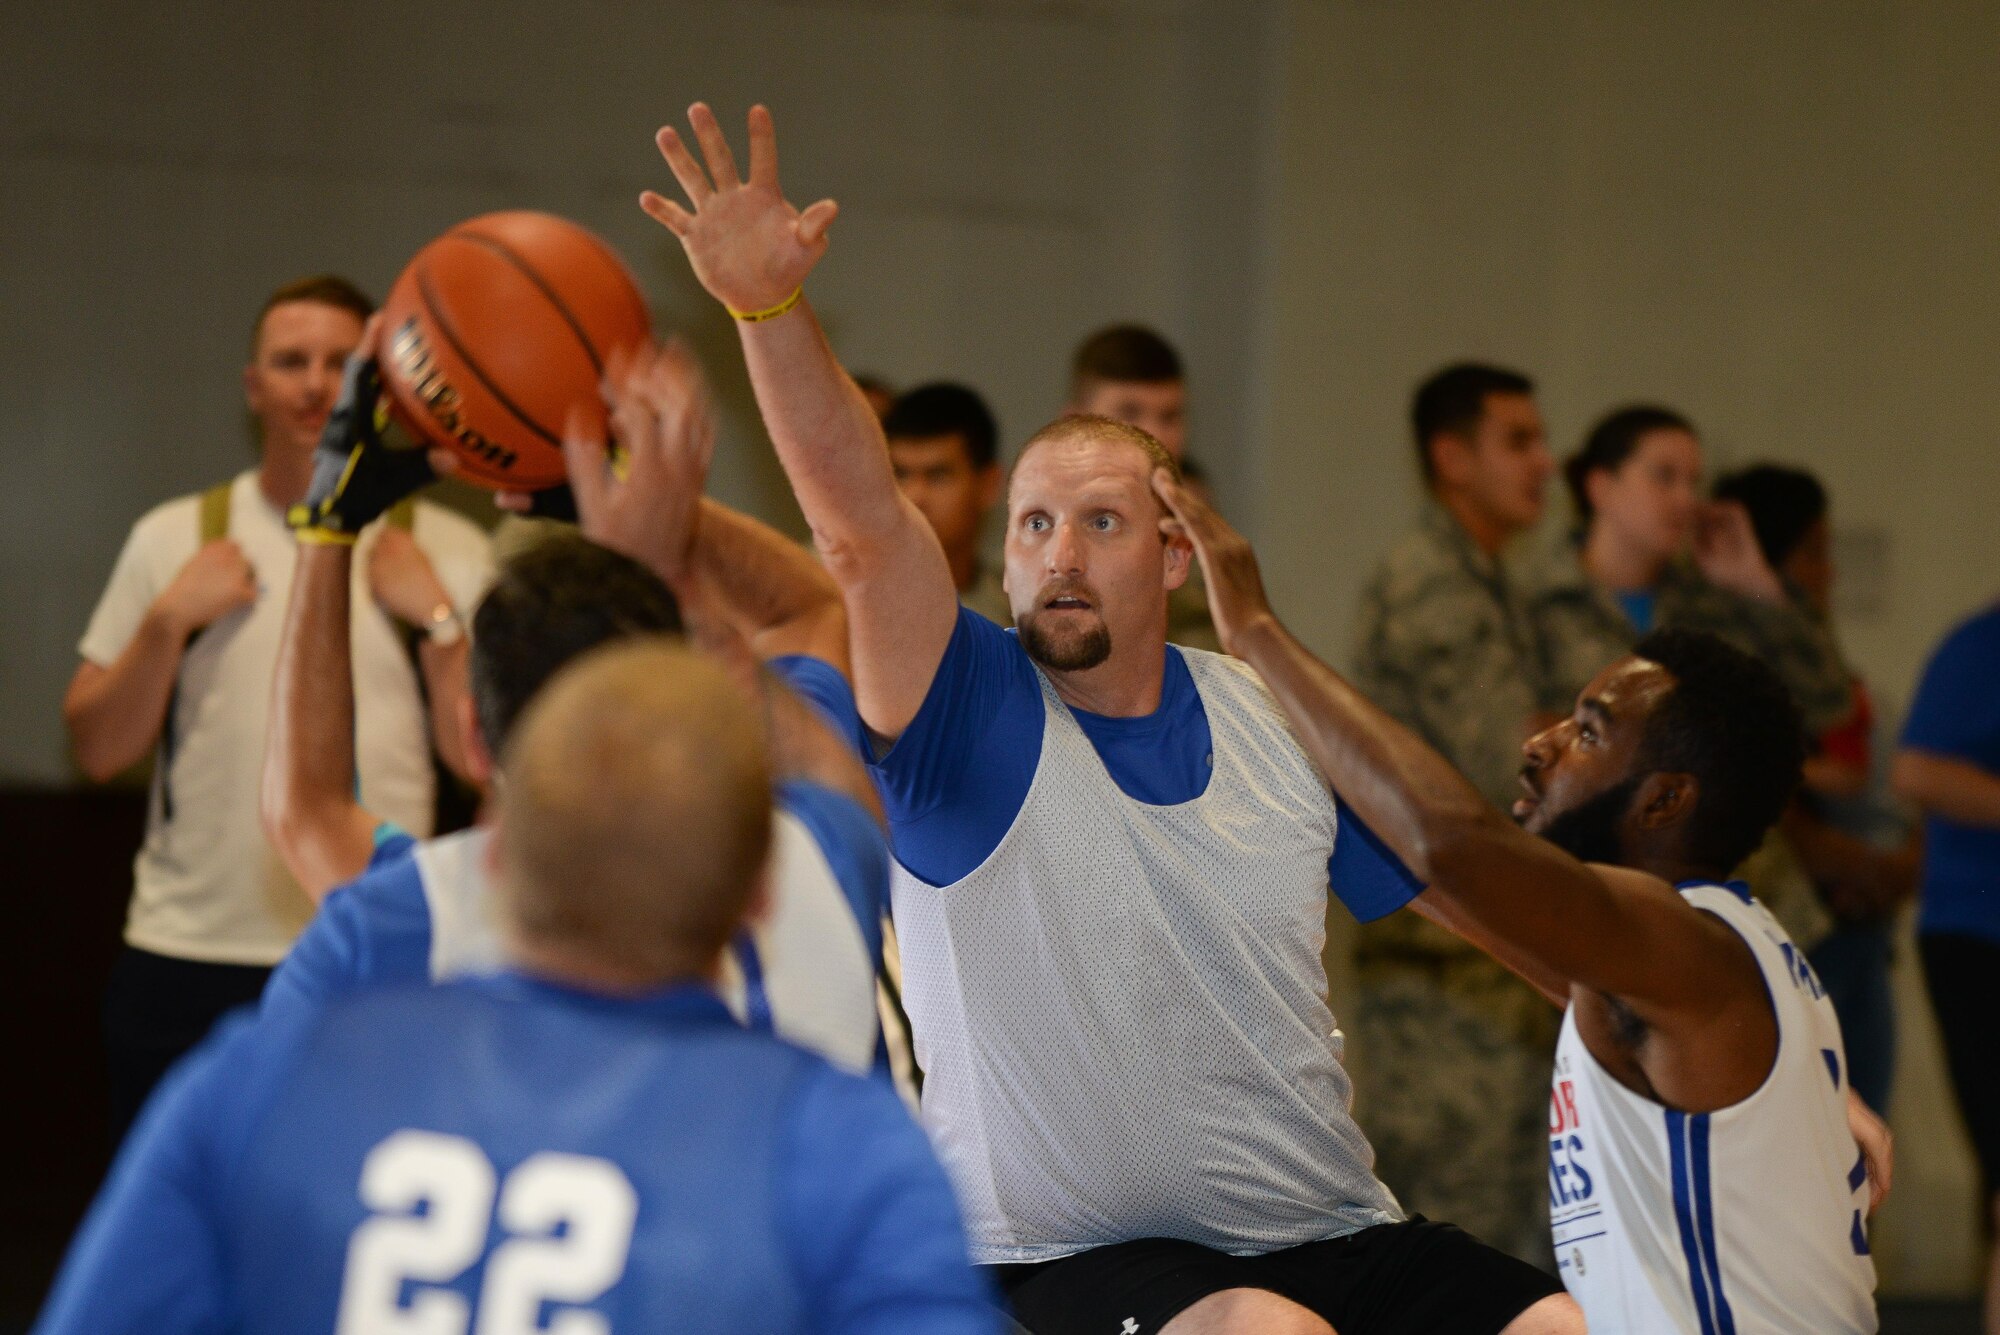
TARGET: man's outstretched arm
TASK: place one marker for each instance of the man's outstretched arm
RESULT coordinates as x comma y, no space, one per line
311,815
310,812
1611,929
752,250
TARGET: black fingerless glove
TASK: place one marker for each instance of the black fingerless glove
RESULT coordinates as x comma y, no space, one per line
356,477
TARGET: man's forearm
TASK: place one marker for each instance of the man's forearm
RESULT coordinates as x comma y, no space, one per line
1949,787
771,589
1534,907
896,586
446,684
827,437
115,713
310,813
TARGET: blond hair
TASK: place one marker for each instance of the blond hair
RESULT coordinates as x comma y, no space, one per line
635,798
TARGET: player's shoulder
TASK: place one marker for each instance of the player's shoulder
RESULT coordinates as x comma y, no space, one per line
384,904
393,878
824,687
232,1075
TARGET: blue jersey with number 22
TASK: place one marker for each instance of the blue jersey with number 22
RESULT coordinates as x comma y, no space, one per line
505,1155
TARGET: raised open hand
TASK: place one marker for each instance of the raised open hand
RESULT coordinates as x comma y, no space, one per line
749,247
644,501
1236,594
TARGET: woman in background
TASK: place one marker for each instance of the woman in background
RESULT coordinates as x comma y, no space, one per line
1651,551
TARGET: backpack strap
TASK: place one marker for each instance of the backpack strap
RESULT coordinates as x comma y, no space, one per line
215,511
214,523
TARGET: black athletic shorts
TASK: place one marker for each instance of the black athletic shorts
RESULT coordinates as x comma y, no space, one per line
1412,1278
1962,974
156,1008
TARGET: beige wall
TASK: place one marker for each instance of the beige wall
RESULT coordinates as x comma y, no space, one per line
1777,217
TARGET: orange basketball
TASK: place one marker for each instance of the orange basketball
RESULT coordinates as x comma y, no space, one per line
495,331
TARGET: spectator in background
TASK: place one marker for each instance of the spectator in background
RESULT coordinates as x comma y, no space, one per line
1446,646
1651,551
877,391
1949,764
1861,858
180,653
1130,374
944,446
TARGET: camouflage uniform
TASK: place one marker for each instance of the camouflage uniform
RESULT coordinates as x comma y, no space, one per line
1453,1051
1583,630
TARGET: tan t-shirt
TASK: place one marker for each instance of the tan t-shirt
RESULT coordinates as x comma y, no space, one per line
206,884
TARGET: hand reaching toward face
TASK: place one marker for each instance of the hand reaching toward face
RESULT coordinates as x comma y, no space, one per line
1236,595
749,247
1727,554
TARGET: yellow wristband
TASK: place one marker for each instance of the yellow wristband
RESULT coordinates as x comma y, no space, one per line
325,537
771,313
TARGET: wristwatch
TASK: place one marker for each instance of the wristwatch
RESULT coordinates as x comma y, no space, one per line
442,627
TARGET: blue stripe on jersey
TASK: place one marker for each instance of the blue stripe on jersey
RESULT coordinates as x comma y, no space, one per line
1741,889
1704,1208
1694,1212
1859,1173
1832,1064
1684,1216
756,1000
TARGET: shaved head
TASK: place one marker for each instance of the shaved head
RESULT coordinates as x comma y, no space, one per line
1084,428
635,816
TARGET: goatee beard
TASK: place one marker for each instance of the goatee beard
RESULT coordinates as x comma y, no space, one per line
1589,831
1064,653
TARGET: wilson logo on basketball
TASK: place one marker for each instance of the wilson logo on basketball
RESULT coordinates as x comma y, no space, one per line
414,363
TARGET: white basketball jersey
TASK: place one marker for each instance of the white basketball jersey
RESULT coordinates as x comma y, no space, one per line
1121,1014
1737,1222
814,971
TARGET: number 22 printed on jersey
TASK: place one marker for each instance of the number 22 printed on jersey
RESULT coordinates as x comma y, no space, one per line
565,1222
